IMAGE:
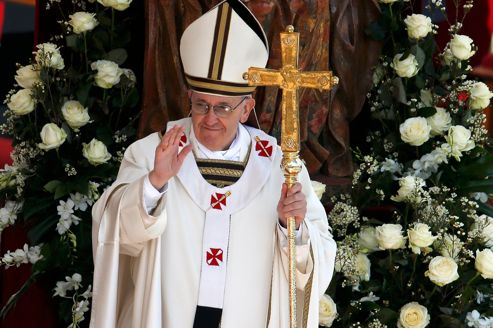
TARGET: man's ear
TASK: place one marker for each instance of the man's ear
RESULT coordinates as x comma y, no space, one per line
249,105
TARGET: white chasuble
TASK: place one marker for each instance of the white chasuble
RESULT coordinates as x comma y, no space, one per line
152,270
219,204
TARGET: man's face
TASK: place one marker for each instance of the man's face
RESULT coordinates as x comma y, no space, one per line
212,131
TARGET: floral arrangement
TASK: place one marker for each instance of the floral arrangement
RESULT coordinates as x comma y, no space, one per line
71,115
415,235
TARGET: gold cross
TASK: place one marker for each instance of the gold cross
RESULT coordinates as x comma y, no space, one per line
290,79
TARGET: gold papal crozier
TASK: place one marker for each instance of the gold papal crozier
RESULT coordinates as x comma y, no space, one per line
290,79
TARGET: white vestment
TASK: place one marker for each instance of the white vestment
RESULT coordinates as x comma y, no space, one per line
148,266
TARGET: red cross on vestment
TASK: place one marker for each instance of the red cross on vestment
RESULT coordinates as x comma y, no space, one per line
183,140
263,148
214,256
219,200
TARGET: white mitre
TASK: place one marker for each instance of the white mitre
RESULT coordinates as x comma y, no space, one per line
218,47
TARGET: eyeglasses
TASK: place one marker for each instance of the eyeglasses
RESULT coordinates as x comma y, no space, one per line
201,107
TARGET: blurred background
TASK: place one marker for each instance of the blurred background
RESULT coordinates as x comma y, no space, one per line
26,22
17,21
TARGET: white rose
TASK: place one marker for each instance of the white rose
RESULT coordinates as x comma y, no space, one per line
484,263
27,76
415,131
410,189
51,136
405,68
461,47
420,237
327,311
363,267
82,22
418,26
442,270
319,188
95,152
21,102
116,4
368,239
413,315
479,96
75,114
108,73
389,236
483,227
449,246
48,55
459,139
439,122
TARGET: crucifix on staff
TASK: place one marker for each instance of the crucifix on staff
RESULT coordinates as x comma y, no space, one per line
290,79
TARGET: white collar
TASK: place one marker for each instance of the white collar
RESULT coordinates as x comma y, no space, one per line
237,151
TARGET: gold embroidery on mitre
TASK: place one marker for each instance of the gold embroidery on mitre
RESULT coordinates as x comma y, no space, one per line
220,41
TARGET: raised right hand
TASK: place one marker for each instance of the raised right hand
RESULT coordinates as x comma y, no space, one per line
167,160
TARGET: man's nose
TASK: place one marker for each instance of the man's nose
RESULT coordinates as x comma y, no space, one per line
211,116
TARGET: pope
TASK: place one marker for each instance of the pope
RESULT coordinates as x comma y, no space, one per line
193,231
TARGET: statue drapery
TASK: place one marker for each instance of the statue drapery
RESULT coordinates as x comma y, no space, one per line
324,118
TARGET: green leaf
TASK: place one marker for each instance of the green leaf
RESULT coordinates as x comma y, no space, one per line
375,31
480,167
485,208
68,131
81,185
440,91
449,322
44,226
104,19
105,135
122,38
133,98
399,90
387,316
82,92
100,38
35,205
61,191
426,111
52,185
419,54
445,76
73,42
420,82
117,102
477,186
429,68
119,55
446,310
